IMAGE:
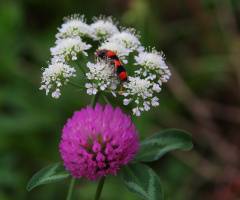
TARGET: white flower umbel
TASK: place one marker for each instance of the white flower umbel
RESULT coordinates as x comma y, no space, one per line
102,75
142,91
55,76
141,87
120,50
152,73
153,65
103,27
127,38
68,48
74,26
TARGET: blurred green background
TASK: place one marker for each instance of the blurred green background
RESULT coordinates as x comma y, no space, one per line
201,41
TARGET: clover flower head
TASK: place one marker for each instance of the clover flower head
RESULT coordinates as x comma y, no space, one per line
68,48
74,25
120,50
96,142
153,63
55,76
103,27
127,38
103,76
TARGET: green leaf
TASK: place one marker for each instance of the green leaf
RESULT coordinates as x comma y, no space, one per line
50,174
160,143
142,180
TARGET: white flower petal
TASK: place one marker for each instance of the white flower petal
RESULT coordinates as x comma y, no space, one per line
126,101
56,94
136,111
156,87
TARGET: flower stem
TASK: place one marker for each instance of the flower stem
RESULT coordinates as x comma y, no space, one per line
81,67
106,99
71,189
94,99
99,189
84,58
74,84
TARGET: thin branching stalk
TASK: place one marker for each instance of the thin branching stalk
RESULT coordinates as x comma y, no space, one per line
81,67
106,99
77,85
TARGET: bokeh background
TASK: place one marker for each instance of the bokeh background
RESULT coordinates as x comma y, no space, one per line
201,41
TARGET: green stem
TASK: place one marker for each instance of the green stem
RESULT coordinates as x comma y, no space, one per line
84,58
74,84
71,189
94,99
99,189
106,99
81,67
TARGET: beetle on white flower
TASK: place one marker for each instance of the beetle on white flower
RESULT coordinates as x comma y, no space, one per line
119,49
149,71
102,74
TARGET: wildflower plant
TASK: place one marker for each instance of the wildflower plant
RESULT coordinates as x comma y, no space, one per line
99,141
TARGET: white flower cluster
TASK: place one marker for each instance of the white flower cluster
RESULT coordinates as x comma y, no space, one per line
153,65
102,76
68,45
141,88
147,81
55,76
103,27
128,39
68,48
74,25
